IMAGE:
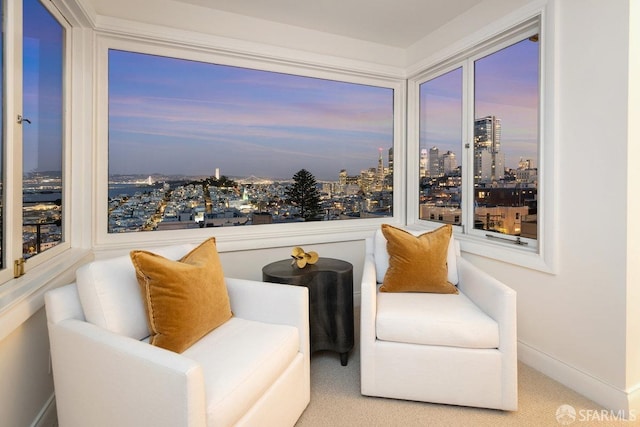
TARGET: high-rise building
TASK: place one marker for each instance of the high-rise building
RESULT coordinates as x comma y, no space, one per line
434,163
342,179
388,179
380,171
488,161
424,158
449,162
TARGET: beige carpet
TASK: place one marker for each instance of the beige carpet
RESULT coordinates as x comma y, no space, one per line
336,401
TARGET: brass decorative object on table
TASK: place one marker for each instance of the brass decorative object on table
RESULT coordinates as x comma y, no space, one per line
302,258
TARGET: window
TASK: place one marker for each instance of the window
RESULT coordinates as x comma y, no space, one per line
32,134
441,147
478,120
42,130
194,144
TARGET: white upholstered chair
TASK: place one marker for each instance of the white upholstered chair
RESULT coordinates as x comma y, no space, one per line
252,370
457,349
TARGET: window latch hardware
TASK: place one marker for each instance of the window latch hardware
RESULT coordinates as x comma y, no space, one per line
517,241
23,119
18,267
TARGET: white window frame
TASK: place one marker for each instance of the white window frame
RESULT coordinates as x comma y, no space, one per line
538,255
248,237
13,215
22,297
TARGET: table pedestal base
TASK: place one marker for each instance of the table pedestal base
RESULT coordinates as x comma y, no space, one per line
330,284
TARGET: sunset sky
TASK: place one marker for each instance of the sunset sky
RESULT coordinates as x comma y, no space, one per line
174,116
42,89
506,86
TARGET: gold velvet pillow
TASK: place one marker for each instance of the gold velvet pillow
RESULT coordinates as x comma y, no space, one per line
417,263
184,299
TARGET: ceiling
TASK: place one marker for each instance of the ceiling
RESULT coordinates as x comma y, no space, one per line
398,23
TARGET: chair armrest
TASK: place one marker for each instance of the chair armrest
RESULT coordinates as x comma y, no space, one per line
125,383
271,303
492,296
498,301
368,308
368,303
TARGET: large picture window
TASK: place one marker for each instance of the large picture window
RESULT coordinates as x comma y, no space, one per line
194,144
479,142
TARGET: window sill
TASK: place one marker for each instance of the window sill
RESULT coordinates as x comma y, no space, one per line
521,256
509,253
22,297
254,237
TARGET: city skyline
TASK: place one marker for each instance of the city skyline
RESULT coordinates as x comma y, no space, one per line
175,116
506,86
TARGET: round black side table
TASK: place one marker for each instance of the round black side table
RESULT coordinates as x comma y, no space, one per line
330,284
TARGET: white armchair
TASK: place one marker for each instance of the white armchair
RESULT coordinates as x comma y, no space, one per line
252,370
441,348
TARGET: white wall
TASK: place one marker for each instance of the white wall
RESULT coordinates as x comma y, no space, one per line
633,210
27,383
26,386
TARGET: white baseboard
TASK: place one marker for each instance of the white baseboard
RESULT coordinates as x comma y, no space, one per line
47,416
604,394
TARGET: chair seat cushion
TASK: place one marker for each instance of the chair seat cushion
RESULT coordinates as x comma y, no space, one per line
434,319
240,360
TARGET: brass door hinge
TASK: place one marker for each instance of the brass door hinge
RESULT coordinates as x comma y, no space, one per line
18,267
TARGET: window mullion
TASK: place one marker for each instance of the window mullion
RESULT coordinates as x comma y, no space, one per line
467,138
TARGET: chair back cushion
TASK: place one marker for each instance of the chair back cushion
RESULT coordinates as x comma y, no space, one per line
110,294
381,256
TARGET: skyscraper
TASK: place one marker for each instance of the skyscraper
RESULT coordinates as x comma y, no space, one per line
434,163
380,171
488,161
449,163
424,158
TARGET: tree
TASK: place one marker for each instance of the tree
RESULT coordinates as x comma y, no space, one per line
304,194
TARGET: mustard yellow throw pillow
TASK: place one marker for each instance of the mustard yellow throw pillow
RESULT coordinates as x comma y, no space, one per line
417,263
184,299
